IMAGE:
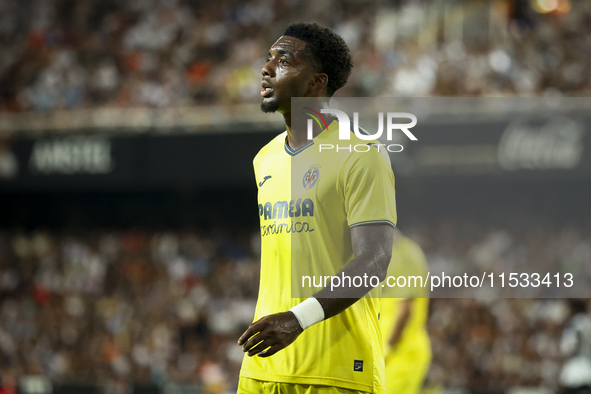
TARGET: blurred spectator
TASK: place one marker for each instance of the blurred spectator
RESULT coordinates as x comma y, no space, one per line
160,53
575,376
133,306
151,307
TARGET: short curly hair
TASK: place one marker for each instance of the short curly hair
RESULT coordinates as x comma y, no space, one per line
328,50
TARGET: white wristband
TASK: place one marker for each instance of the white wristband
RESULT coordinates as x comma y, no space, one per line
308,312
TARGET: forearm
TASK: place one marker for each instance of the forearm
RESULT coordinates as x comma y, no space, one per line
365,266
372,246
272,333
402,320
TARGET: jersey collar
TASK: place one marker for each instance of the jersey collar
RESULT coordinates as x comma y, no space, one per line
293,152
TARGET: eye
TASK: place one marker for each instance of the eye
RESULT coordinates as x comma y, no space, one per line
283,61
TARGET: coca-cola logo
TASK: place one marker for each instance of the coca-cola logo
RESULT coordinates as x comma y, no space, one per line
555,144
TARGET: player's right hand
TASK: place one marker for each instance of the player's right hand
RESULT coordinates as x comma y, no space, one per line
270,334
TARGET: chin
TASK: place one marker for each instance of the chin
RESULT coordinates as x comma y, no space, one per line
269,106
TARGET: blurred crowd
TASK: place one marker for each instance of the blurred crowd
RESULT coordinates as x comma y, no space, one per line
498,344
157,53
125,307
120,307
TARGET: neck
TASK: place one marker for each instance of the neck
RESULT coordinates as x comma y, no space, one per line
297,137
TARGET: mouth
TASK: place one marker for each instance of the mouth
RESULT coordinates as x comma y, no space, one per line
266,90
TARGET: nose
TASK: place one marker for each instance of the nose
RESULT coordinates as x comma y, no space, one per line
267,69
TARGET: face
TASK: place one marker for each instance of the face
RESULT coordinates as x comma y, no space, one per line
288,73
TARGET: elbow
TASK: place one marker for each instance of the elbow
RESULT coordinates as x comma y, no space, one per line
374,262
382,263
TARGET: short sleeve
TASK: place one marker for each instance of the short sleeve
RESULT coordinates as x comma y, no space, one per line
368,187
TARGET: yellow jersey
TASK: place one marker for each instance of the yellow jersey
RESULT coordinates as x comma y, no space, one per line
409,360
309,199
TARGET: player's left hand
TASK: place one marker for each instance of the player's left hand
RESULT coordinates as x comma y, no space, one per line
270,334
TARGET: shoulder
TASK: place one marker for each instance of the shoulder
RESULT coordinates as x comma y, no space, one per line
366,156
362,150
336,134
413,245
413,250
272,147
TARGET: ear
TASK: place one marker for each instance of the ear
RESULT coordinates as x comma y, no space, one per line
318,84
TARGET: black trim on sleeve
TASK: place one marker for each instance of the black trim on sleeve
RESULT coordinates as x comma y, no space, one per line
372,222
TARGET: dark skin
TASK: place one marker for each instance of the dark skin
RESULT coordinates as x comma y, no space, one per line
401,322
291,73
404,312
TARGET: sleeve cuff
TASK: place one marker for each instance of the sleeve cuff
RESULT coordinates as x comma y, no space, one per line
372,222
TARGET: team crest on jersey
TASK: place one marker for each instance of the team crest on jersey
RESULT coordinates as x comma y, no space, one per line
310,177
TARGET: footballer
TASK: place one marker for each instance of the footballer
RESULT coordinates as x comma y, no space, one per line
404,321
317,209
